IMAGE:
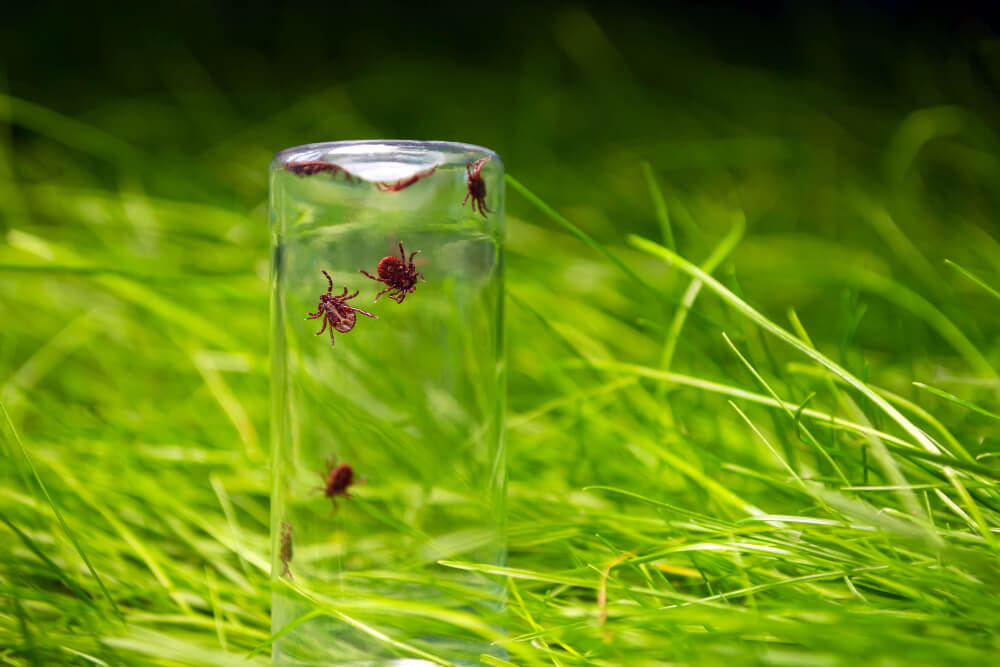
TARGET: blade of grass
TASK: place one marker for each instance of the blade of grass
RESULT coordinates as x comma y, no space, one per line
715,258
511,583
227,510
66,130
747,311
978,520
141,549
968,405
973,277
589,240
213,597
61,573
718,254
893,442
906,404
58,513
285,629
736,392
888,464
659,205
231,405
794,416
770,447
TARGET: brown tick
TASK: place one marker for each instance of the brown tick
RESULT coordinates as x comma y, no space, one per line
315,166
336,480
336,312
398,273
405,182
477,186
286,548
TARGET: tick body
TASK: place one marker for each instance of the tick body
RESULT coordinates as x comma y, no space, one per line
337,480
398,273
311,167
476,186
404,183
286,548
335,311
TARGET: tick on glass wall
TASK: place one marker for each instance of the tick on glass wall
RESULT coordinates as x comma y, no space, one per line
405,182
286,548
398,273
336,480
335,311
310,167
477,186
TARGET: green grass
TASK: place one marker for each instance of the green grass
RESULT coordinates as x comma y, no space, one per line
754,409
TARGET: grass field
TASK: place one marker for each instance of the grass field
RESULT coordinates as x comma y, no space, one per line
753,317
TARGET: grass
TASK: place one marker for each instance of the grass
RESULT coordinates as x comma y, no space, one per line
754,411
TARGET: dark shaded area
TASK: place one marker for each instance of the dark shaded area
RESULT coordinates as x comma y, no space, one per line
690,87
72,56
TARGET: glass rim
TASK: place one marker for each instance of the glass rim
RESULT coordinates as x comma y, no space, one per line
332,148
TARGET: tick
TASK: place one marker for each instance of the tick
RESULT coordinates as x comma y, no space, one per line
311,167
335,311
405,182
336,480
477,186
398,273
286,548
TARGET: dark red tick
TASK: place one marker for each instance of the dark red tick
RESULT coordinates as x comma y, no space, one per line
335,312
405,182
286,548
398,273
316,166
477,186
336,480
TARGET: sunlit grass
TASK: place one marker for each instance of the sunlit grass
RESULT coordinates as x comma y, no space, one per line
754,412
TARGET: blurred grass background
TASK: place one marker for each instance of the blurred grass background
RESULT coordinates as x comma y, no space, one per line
822,163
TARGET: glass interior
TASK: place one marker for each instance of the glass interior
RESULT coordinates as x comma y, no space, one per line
410,402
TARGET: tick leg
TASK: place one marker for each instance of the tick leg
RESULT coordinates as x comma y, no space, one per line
363,312
342,294
467,199
329,280
313,316
325,320
421,276
402,253
332,341
378,280
345,298
413,254
387,289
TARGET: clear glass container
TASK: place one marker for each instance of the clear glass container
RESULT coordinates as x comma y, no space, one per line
387,440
